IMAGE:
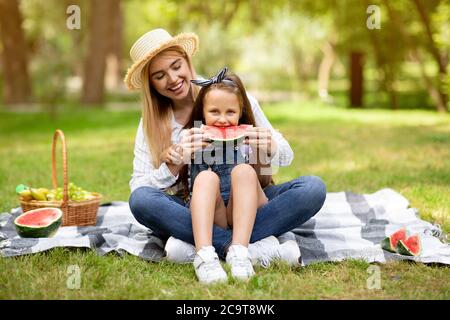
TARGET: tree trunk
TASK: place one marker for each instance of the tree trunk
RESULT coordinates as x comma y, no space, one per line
17,85
113,77
299,66
432,90
100,22
356,79
441,60
387,81
325,68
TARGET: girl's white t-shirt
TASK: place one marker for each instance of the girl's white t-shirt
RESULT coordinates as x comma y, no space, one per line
145,174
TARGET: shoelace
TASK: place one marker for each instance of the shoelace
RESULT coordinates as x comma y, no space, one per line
436,231
269,255
211,266
240,264
191,255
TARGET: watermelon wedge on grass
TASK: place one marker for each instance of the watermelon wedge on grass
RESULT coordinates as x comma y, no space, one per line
225,134
390,243
410,246
38,223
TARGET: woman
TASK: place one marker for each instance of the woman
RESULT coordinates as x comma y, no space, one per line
162,71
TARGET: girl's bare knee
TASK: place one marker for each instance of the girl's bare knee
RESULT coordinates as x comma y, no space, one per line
206,179
243,171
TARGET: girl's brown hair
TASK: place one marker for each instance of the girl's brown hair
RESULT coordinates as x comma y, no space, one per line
233,85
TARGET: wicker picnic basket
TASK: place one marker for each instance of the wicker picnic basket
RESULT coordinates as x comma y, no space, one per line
75,213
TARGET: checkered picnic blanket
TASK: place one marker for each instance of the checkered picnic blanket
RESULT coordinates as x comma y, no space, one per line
349,226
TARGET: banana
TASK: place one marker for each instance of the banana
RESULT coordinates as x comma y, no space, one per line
25,195
89,196
39,194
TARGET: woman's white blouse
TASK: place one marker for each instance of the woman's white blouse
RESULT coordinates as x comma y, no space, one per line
145,174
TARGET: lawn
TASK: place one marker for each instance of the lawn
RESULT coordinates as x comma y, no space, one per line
352,150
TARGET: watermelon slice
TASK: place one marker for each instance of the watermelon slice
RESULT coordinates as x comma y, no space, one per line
390,243
410,246
38,223
225,134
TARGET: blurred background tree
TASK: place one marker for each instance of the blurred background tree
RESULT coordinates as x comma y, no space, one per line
14,54
283,49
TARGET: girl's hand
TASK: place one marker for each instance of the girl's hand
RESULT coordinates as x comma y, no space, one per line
192,140
260,139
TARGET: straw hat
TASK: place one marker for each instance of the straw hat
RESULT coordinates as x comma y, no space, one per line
152,43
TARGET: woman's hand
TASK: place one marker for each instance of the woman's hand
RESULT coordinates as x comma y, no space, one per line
260,139
172,155
179,154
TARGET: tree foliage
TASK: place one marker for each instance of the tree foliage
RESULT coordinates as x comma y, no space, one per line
273,45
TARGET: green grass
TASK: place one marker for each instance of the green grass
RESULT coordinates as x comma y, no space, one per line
361,151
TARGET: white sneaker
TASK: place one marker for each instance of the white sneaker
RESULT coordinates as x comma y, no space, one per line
286,236
288,252
207,266
178,251
239,259
259,248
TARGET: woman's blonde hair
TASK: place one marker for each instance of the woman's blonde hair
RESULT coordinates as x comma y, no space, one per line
157,111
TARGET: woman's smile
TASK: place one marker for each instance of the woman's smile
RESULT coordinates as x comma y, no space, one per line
178,88
170,75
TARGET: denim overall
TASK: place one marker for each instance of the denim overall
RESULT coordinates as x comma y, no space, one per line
221,159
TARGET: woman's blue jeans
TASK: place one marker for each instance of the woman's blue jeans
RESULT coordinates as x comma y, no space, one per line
290,205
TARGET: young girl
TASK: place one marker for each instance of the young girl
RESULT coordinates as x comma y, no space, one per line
225,190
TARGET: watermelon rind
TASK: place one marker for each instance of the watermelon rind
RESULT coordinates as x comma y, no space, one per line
402,247
390,244
47,231
386,244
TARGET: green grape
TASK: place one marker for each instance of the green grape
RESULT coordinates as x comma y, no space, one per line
75,193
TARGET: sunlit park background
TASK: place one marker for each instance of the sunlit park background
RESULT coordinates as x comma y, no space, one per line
358,87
